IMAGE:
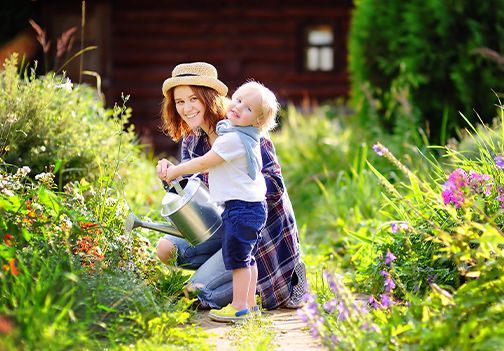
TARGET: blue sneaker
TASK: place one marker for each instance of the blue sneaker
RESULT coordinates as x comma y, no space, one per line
229,314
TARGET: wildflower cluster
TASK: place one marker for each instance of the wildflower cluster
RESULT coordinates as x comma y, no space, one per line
88,250
386,300
461,185
10,183
46,178
342,320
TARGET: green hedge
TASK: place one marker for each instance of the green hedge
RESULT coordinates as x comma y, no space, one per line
434,54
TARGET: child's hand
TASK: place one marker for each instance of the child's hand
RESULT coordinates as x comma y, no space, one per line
171,173
161,168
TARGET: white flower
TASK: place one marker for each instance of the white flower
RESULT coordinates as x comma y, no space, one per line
7,192
23,171
66,86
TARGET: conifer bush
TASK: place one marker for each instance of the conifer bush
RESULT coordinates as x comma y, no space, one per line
436,57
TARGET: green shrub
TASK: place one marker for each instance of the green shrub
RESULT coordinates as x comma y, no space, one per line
435,58
45,122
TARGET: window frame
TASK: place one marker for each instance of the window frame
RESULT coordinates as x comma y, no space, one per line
305,45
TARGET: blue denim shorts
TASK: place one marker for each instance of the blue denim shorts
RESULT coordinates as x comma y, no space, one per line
242,222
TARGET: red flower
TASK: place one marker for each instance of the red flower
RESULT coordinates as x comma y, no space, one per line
11,266
87,225
6,326
8,239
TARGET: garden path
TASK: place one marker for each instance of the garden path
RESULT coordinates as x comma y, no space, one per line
290,332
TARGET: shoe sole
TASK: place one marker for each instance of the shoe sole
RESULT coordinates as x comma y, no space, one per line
228,319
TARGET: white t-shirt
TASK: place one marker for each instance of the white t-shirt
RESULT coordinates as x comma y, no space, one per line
230,180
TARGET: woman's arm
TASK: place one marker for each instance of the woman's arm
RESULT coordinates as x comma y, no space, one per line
271,171
192,146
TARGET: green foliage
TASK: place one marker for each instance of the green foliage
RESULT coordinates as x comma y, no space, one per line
41,301
71,277
47,122
431,58
469,319
432,276
324,174
68,279
254,334
335,197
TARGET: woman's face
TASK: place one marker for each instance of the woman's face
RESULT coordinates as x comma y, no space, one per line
189,106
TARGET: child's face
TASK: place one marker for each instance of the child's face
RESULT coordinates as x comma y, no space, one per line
245,108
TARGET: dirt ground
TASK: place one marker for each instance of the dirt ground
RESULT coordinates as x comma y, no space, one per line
290,332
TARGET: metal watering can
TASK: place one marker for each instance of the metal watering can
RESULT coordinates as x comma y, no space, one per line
188,211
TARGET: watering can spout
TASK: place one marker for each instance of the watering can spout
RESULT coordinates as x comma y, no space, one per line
133,222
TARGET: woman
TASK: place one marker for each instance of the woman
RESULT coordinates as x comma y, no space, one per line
195,100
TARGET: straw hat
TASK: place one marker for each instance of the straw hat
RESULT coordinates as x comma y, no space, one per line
196,73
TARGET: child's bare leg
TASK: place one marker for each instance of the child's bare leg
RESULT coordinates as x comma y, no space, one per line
241,284
251,301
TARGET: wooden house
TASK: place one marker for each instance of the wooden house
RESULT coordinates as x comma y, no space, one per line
296,48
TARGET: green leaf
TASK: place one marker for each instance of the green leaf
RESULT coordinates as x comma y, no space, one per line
50,201
106,308
9,203
358,236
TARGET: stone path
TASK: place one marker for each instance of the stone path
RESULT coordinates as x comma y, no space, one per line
290,332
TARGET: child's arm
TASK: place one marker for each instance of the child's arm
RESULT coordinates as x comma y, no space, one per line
198,164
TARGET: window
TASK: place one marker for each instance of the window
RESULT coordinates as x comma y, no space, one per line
319,48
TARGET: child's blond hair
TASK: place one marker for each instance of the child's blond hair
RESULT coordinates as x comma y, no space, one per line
269,105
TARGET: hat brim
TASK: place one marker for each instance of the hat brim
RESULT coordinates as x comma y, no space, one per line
209,82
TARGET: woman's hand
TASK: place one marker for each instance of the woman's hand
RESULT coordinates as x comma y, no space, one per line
162,167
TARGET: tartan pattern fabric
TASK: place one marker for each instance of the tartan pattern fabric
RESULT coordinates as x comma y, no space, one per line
278,251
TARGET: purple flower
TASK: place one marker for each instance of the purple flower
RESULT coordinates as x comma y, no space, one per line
314,332
461,184
334,283
500,197
388,284
380,149
453,189
397,226
480,183
386,301
499,162
308,298
389,258
343,311
301,314
331,305
372,301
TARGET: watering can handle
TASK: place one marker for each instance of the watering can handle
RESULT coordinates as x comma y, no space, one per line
175,184
166,185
